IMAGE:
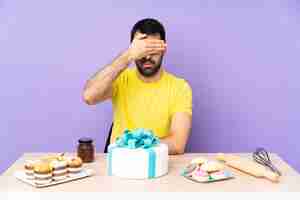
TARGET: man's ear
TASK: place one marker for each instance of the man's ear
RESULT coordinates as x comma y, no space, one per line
165,51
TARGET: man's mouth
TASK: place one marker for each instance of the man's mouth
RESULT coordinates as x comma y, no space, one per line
147,65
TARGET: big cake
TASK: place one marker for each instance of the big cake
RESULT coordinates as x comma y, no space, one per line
137,154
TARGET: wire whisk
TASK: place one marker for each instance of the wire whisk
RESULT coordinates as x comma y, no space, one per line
261,156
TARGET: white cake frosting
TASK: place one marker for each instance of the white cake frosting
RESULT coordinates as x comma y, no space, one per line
134,163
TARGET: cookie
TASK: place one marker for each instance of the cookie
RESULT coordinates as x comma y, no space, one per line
200,172
211,166
199,160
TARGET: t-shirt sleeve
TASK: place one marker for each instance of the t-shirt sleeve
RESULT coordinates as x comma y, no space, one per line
117,84
115,87
183,99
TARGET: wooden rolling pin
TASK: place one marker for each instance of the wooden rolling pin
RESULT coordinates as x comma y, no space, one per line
248,166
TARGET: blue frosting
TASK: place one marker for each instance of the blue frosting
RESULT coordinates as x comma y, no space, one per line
138,138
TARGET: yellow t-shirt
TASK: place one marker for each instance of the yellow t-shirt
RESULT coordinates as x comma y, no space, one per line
138,104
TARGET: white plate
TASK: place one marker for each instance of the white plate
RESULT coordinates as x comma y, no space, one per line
207,180
22,176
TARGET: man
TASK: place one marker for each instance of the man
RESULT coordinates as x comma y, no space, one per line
146,95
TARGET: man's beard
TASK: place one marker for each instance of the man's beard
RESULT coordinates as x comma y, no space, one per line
149,71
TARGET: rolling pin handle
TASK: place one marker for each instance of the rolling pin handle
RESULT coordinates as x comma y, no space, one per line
221,157
271,176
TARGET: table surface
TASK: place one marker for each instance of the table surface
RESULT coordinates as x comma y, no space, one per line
173,182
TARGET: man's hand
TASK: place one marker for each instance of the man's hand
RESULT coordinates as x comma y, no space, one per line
141,47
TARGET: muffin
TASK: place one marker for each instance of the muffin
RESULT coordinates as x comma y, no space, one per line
60,169
74,165
29,166
42,173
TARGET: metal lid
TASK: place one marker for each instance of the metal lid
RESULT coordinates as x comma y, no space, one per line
85,140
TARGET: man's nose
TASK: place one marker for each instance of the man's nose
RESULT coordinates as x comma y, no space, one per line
148,57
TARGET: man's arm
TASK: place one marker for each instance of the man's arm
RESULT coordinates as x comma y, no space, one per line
179,133
99,87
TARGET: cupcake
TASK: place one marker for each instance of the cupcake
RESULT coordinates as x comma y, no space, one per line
42,173
74,165
60,169
29,166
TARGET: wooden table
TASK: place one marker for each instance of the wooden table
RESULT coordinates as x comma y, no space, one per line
290,181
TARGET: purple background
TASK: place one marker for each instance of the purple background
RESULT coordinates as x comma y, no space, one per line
241,59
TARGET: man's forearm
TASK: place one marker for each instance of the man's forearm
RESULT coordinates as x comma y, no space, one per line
99,86
173,147
179,132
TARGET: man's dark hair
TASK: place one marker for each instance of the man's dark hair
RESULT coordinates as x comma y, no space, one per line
148,26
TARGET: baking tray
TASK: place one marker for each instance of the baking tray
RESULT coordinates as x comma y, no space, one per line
20,175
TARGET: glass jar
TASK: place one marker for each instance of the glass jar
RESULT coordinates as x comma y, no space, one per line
86,150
